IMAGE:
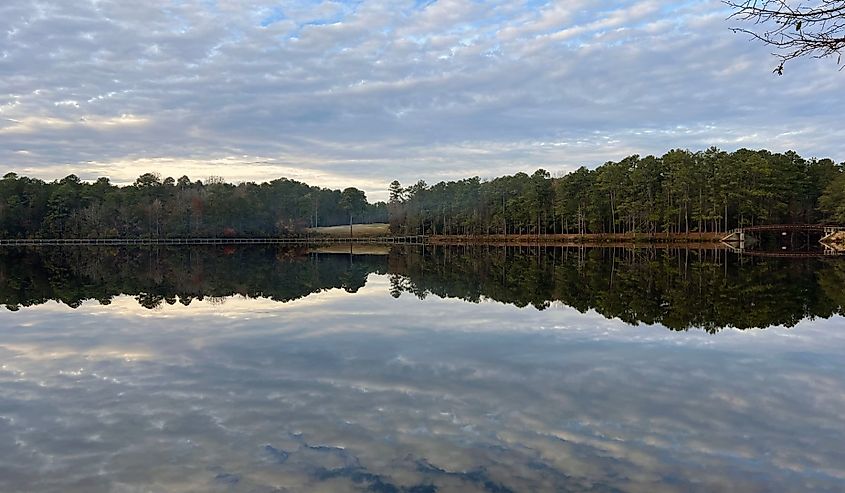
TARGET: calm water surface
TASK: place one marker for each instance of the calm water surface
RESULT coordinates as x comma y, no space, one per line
490,370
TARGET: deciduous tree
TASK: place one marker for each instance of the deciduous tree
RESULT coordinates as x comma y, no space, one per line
794,28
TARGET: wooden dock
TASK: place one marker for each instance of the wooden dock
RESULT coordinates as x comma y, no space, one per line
738,235
297,240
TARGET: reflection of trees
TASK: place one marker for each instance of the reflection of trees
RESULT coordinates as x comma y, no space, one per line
177,275
677,288
832,281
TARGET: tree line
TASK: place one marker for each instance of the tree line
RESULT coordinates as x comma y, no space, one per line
679,192
155,207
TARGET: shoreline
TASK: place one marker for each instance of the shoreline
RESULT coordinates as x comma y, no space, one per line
709,240
692,240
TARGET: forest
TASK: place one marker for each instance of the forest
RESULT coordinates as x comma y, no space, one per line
155,207
679,192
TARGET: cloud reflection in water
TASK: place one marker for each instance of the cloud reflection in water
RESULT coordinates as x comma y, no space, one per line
335,392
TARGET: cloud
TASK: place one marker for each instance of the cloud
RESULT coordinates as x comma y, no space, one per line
374,91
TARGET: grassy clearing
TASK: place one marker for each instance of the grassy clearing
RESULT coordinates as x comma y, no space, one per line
376,229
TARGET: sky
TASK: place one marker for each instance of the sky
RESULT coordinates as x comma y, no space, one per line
358,93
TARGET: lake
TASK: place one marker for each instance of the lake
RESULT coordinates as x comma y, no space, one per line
420,369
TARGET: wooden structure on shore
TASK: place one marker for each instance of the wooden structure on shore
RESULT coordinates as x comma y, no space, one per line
736,238
738,235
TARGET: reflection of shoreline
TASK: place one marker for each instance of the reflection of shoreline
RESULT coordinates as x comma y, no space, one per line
677,287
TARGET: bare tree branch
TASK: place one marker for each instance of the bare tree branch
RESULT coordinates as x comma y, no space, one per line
814,28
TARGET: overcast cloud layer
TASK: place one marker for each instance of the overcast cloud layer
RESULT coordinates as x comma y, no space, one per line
360,93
